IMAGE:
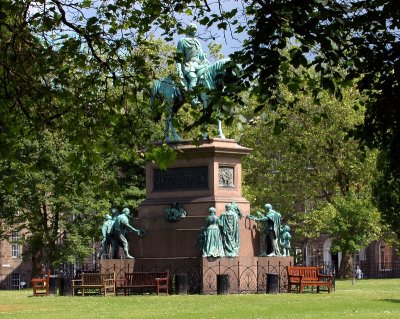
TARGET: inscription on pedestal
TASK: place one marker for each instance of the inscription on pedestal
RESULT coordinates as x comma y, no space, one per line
181,178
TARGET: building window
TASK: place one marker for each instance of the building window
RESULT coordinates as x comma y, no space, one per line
360,256
15,281
385,257
15,247
311,255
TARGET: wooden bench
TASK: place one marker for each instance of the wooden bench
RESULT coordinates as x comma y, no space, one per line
104,282
40,286
308,276
158,281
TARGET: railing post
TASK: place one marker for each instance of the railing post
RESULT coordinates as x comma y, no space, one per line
257,276
238,276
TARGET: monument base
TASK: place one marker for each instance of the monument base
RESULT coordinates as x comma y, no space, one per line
245,274
203,176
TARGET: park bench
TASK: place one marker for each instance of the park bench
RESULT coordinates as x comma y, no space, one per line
144,281
103,282
308,276
40,286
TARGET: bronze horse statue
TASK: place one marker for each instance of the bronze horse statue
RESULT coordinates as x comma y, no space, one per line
166,90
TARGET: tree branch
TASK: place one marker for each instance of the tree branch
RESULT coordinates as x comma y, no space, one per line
84,35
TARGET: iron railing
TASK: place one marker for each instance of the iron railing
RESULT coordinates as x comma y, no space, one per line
242,279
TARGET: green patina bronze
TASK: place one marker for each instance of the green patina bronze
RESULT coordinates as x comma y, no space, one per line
174,213
285,240
229,224
193,70
194,59
272,227
166,90
211,237
107,232
121,228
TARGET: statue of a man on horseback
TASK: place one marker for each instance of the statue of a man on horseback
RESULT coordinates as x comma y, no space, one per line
193,58
193,70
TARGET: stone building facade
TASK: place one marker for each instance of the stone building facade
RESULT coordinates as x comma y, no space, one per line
15,273
378,260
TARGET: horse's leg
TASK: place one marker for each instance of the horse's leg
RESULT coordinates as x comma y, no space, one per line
203,99
175,135
205,105
170,126
220,133
166,129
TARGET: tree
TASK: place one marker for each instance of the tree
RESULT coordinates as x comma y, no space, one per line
72,136
351,221
73,65
59,192
304,163
303,154
52,195
386,192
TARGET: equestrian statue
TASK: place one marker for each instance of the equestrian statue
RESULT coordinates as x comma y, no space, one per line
194,71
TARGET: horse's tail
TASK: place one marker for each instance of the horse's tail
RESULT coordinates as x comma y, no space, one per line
155,91
221,63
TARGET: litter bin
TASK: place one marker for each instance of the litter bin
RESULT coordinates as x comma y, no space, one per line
53,284
64,285
272,283
222,284
181,284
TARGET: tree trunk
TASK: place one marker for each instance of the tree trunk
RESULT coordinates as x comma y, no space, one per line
346,269
37,263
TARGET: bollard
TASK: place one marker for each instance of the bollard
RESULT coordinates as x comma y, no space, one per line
222,284
53,284
272,283
64,286
181,284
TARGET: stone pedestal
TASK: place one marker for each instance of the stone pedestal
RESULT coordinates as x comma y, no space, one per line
204,176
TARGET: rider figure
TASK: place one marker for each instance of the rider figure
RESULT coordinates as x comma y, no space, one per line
193,58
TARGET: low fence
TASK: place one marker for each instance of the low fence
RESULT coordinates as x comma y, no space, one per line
368,270
379,270
198,280
15,281
242,279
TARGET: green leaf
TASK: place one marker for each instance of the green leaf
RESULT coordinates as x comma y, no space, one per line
86,4
162,155
222,25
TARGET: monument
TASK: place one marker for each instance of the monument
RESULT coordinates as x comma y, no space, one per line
198,198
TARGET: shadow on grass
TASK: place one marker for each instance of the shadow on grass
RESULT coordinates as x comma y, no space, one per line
392,300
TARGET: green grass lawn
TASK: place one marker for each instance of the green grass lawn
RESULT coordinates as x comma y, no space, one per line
366,299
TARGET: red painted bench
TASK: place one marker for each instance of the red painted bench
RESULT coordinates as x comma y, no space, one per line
40,286
157,281
308,276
